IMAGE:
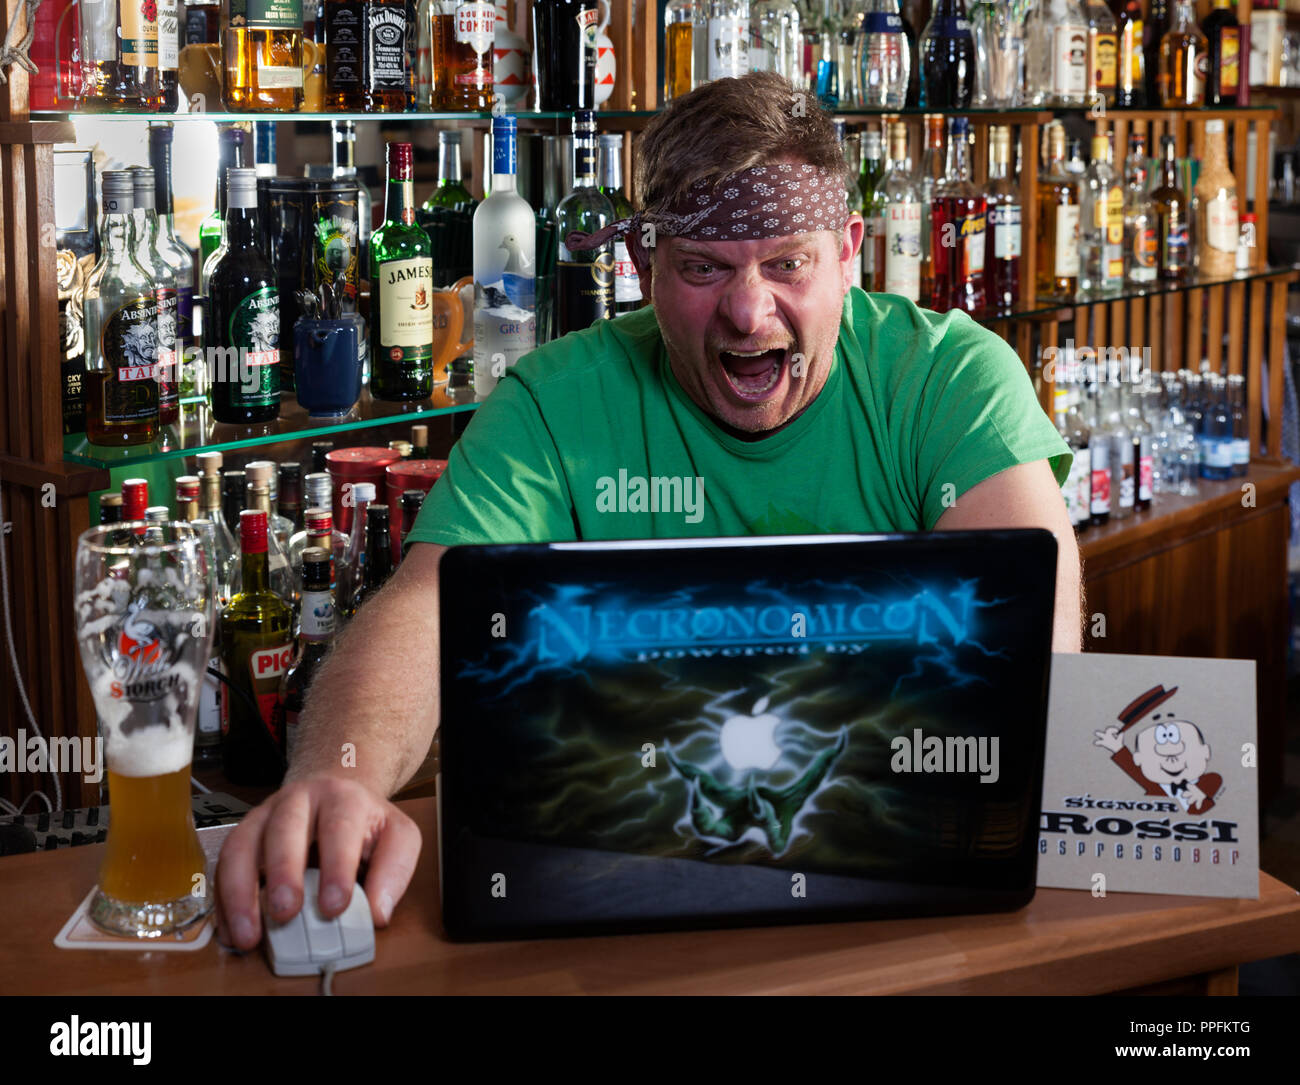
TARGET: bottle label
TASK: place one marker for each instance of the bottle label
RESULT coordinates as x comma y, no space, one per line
1175,244
974,232
1104,72
343,44
1071,490
1069,62
728,47
627,284
167,360
584,292
882,22
268,15
1131,60
317,616
210,702
1144,248
140,33
476,25
873,227
1146,473
169,30
948,26
1229,60
503,152
265,668
129,345
1083,495
387,47
274,77
1221,224
903,250
1216,452
406,309
1066,258
254,330
185,315
1100,500
1005,220
1240,451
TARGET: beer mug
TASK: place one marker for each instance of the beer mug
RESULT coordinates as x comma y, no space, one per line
144,618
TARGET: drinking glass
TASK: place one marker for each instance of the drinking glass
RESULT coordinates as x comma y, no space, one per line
999,33
144,616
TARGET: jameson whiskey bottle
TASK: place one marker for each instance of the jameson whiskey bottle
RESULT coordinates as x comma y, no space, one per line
262,51
627,283
255,632
314,637
1058,224
401,277
451,191
121,331
584,280
242,336
144,236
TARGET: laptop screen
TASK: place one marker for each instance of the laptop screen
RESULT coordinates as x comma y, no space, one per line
854,708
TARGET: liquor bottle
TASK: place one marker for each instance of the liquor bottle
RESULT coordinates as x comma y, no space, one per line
378,566
959,219
242,329
412,502
345,169
868,197
1123,481
288,498
207,732
680,17
1184,60
910,32
1131,61
176,255
265,473
255,632
345,52
121,330
187,498
1175,257
627,283
1101,225
1154,31
318,491
234,488
257,496
1099,461
1240,427
451,192
144,236
1057,54
1058,224
564,54
119,57
584,280
847,32
1217,232
1139,217
469,78
1140,428
1267,34
202,23
775,44
504,268
135,498
947,55
212,231
929,175
319,531
169,52
728,42
1074,163
1074,431
1004,243
225,558
1214,437
1223,40
262,54
424,55
884,61
315,635
903,220
350,572
401,277
1103,53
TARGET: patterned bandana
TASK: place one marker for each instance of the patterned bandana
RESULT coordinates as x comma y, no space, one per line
762,202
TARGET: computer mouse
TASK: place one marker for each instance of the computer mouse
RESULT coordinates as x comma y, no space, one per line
308,943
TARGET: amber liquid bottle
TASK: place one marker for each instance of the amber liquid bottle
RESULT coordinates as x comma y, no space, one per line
1131,91
1058,224
1173,235
1184,60
262,55
928,178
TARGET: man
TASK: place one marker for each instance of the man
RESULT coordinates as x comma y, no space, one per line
759,387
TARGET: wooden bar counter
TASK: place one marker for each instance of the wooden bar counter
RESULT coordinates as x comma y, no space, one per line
1064,942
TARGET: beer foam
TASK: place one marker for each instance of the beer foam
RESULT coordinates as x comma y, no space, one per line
152,747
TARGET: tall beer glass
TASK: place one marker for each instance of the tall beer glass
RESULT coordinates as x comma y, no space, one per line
144,618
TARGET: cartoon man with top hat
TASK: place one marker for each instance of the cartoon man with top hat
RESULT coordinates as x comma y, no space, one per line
1169,757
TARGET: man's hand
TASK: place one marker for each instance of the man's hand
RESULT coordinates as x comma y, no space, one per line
349,824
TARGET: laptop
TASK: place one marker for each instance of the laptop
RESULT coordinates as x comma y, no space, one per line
669,734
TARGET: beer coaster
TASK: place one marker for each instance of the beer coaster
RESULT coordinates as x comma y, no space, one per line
80,933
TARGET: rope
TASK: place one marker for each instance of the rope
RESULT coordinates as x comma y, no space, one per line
17,54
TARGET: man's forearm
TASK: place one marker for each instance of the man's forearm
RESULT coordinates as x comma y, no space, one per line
1067,632
372,710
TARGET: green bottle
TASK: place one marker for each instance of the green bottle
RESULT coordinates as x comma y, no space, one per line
451,192
230,153
401,282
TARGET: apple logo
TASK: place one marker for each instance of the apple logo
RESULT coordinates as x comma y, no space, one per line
747,741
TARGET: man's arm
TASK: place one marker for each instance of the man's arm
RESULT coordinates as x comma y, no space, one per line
1027,495
376,695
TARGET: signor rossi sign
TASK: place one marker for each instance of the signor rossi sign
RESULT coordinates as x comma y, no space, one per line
1150,779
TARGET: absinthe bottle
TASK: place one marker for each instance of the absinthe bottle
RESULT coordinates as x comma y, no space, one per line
242,336
401,277
585,279
505,267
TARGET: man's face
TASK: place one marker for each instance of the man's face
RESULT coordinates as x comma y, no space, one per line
1172,751
751,326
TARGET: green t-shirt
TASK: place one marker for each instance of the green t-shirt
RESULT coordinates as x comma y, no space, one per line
592,437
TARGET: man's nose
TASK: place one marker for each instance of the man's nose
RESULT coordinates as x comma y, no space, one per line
748,303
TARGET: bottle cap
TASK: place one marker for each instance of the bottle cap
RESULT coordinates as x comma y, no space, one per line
402,447
259,471
252,531
319,489
142,189
157,514
412,500
319,521
109,499
135,498
241,187
449,135
160,132
119,189
420,436
377,518
362,491
232,482
209,463
401,162
291,482
187,486
611,139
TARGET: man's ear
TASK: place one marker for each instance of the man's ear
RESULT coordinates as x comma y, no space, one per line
851,246
643,260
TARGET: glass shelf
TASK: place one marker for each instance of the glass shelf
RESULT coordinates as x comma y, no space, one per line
197,431
395,119
1040,307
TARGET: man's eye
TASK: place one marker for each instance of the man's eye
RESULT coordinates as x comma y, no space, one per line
700,269
791,264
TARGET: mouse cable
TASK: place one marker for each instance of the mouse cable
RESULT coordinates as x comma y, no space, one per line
18,681
327,978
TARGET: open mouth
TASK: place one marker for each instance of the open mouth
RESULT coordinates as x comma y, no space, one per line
753,374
